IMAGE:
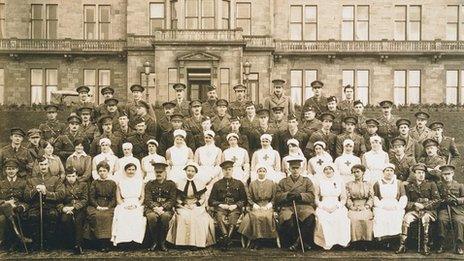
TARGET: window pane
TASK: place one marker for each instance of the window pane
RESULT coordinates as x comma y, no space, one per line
462,88
192,7
310,14
362,93
89,13
157,24
191,23
452,78
104,31
452,32
49,91
413,95
310,32
37,29
36,77
36,94
104,77
207,8
296,13
225,9
451,87
452,13
400,78
363,12
400,12
51,77
243,10
414,31
348,12
400,31
451,95
363,77
52,11
37,12
399,95
347,30
90,31
295,31
362,31
157,10
348,77
415,12
296,78
362,88
414,78
104,13
52,29
89,77
208,23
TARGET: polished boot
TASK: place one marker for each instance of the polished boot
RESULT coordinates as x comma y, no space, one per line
21,237
402,248
78,250
153,247
425,243
459,250
162,246
440,248
295,245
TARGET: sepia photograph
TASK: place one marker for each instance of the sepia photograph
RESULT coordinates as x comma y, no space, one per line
231,129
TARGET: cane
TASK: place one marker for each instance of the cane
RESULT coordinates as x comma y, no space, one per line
41,220
298,226
21,233
452,226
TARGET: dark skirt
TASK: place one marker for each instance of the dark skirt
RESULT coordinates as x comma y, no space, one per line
99,223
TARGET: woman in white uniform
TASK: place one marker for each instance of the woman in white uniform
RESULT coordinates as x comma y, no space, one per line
332,222
317,163
346,161
105,155
294,151
208,157
178,156
269,157
147,167
389,203
240,158
375,160
128,221
126,159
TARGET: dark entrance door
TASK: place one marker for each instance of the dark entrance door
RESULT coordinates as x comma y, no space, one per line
197,80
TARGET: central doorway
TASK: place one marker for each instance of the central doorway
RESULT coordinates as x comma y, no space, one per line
197,81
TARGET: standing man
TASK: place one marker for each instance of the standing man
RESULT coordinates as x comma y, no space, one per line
359,145
84,97
292,132
387,126
106,129
140,138
446,145
123,129
347,105
250,121
143,109
421,132
167,138
108,93
87,128
279,122
15,150
318,101
228,197
209,106
432,160
263,127
182,104
310,123
34,147
298,191
452,192
325,135
423,198
137,96
221,121
64,145
193,123
238,107
279,99
243,141
160,199
403,163
413,148
164,122
111,109
372,126
51,128
337,125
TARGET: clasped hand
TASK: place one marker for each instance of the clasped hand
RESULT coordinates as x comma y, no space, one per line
228,207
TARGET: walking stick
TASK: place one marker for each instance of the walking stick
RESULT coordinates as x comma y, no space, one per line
298,226
21,233
41,220
452,226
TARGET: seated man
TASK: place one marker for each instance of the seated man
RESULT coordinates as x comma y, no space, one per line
452,193
11,205
72,208
50,190
228,197
296,190
160,198
423,197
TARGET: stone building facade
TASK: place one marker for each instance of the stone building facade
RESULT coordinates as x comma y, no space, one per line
409,51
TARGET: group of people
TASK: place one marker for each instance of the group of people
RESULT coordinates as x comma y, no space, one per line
205,172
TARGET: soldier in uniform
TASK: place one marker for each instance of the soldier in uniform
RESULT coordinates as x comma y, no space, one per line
106,128
199,138
167,138
234,127
164,122
387,126
35,143
228,197
193,123
292,132
51,190
123,129
446,146
423,198
359,143
347,105
64,145
137,96
87,128
372,126
296,190
432,160
421,132
182,104
51,128
279,99
403,163
221,121
279,122
237,108
111,109
310,123
209,106
72,209
160,199
250,121
263,127
139,139
451,211
337,125
318,101
143,109
358,112
84,97
12,204
413,148
325,135
15,150
108,93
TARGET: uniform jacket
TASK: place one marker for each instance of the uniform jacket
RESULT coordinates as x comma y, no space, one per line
237,108
448,147
64,145
12,190
403,167
139,144
21,155
309,127
55,191
274,101
194,125
330,140
228,191
431,163
423,193
283,137
421,136
387,127
304,207
220,125
183,107
75,195
51,130
359,146
160,194
208,108
319,105
456,190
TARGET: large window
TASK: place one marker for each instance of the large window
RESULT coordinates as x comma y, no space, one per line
225,14
408,22
95,80
359,79
172,79
97,26
303,22
2,20
44,21
174,15
454,87
454,22
300,85
407,85
199,14
157,15
225,79
2,86
355,23
43,83
243,17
